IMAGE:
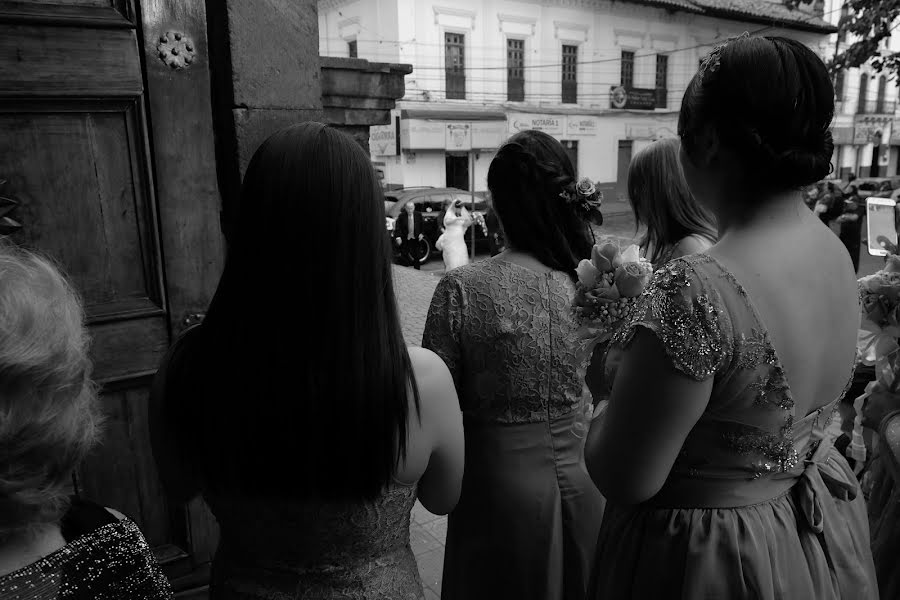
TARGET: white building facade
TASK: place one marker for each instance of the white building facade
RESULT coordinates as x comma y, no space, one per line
605,78
866,129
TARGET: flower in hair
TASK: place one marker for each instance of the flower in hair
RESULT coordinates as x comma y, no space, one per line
585,198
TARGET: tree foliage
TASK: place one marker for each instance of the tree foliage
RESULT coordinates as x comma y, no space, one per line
863,28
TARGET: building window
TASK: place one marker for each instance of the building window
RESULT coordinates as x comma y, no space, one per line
839,86
570,74
662,80
882,88
351,46
455,65
845,13
863,93
515,70
627,68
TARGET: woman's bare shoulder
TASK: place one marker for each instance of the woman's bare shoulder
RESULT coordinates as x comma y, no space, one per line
428,368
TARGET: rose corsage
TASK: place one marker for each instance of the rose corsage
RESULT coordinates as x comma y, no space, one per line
586,199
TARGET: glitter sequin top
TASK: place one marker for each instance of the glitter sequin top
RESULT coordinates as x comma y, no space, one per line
710,329
108,561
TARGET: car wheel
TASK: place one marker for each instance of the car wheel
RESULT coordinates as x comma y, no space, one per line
424,251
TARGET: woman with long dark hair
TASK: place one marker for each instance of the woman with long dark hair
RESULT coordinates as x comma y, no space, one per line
676,224
295,408
712,450
527,521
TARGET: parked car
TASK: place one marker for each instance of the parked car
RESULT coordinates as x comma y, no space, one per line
430,202
876,186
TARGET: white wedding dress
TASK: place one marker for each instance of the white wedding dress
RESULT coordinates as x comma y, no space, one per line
453,241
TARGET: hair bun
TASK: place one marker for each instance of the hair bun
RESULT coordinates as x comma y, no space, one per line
798,167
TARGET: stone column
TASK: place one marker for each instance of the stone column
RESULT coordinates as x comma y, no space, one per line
357,94
264,57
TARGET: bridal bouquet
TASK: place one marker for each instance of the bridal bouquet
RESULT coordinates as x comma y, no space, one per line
609,285
877,345
479,220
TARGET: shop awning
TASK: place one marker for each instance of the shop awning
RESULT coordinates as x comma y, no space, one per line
445,114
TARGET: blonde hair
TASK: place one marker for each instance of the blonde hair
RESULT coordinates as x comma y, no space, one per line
662,201
49,415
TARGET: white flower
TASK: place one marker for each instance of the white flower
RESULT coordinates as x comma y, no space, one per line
585,187
631,254
587,273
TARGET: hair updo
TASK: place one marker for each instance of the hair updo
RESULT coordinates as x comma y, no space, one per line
526,179
770,102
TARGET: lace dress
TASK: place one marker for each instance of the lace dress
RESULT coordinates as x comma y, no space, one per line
759,504
103,559
527,522
353,551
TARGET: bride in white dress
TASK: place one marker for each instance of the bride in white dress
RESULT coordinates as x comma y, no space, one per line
452,242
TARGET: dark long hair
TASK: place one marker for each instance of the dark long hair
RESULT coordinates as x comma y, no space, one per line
770,101
301,375
525,179
662,201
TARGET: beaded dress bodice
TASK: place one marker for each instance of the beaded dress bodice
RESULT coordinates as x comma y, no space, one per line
709,328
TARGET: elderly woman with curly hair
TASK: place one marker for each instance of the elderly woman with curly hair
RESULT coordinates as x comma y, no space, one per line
51,545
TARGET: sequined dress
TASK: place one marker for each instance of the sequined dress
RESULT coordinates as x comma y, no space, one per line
758,504
103,559
527,521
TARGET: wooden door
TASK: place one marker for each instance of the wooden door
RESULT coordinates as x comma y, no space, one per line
126,202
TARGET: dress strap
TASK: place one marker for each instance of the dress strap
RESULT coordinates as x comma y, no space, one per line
84,517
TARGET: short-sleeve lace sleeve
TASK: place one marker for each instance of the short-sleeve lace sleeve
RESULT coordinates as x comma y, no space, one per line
683,310
443,326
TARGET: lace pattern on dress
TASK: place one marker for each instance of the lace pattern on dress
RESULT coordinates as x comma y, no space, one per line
355,550
684,314
505,332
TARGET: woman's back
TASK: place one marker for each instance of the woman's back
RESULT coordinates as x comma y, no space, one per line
527,522
276,545
506,332
810,311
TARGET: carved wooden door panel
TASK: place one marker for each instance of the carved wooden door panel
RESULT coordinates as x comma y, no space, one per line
84,185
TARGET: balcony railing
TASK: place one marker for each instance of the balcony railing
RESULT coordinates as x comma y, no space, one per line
875,107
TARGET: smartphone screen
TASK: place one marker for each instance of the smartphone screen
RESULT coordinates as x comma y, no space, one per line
880,224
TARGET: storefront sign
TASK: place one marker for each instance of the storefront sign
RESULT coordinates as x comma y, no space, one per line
458,137
622,97
842,135
581,125
550,124
895,133
419,134
871,129
867,134
488,135
384,140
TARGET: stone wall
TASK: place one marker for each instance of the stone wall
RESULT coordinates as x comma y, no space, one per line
265,65
357,94
267,74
